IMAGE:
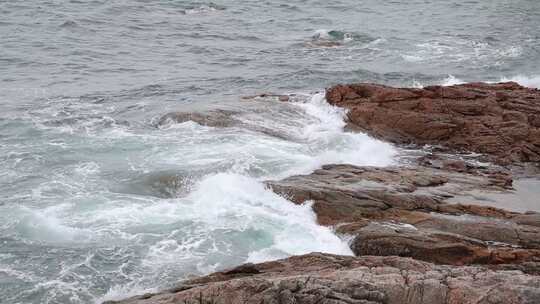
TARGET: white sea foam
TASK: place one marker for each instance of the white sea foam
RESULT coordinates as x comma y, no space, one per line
227,219
451,80
532,81
237,201
321,34
44,226
340,146
324,34
527,81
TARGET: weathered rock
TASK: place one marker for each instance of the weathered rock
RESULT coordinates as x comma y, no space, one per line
330,279
346,193
219,119
531,219
368,202
438,246
500,120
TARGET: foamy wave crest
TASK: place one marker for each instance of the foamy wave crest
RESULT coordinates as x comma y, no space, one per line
238,202
526,81
325,134
451,80
44,226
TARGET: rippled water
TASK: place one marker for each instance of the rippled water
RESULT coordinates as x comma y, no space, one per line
99,201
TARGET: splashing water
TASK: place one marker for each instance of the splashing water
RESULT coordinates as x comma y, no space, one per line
195,205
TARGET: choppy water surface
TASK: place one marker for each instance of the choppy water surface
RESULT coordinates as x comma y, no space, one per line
97,201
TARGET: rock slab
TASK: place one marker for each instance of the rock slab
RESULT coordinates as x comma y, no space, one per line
329,279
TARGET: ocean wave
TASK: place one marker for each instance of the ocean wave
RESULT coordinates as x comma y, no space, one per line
139,206
227,200
336,145
44,226
227,219
451,80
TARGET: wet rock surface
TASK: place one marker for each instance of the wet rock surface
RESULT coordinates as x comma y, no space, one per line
500,120
403,211
330,279
214,118
342,193
222,119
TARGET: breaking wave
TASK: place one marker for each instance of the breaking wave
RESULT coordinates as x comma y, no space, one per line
196,205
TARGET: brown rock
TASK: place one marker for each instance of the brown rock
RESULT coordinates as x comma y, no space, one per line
437,246
283,97
330,279
501,120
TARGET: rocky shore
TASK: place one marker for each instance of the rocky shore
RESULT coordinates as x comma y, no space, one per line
417,238
501,120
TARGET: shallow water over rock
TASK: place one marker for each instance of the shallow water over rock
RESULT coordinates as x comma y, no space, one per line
525,196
